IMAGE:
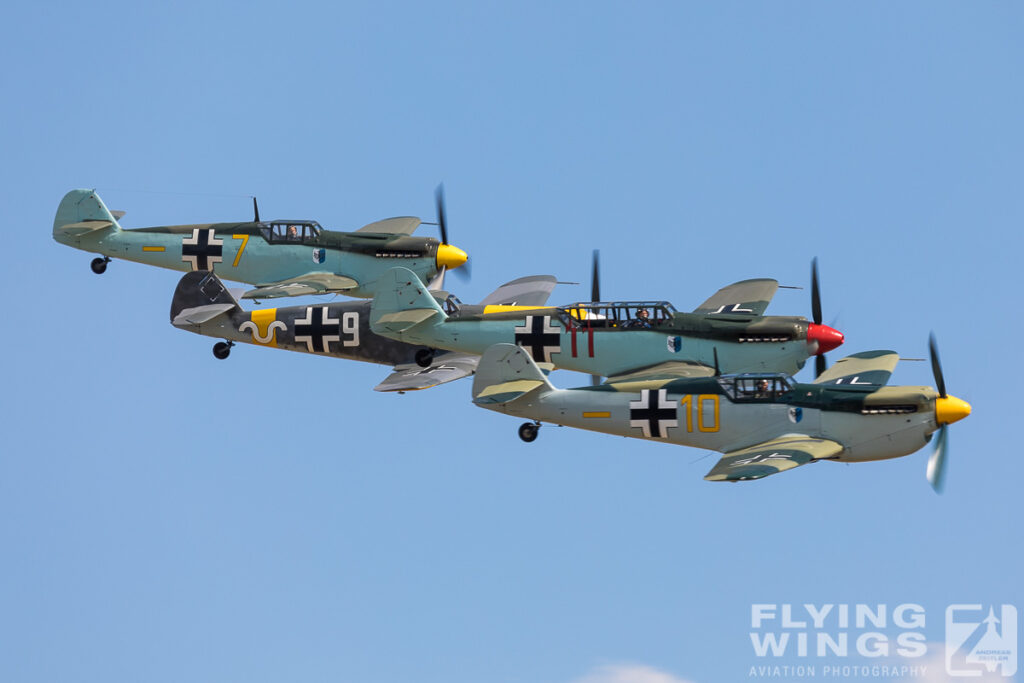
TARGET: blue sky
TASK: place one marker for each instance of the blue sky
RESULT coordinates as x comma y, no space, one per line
166,516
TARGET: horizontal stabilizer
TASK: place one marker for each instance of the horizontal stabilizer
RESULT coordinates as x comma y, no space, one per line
868,368
771,457
505,374
402,225
745,298
402,302
200,314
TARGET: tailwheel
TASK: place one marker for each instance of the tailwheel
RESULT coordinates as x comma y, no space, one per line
424,357
528,431
222,350
99,265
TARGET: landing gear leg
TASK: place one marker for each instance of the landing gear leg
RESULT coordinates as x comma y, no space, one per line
222,350
99,265
528,431
424,357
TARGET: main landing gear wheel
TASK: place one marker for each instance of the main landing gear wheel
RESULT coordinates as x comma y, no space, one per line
99,265
424,357
528,431
222,350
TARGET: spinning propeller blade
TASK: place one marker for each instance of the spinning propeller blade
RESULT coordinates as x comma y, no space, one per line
826,337
948,409
936,471
933,353
448,255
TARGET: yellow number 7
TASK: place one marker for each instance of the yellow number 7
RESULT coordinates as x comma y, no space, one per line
245,241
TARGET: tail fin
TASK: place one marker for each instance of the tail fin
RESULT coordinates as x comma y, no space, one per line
505,374
199,298
403,302
83,211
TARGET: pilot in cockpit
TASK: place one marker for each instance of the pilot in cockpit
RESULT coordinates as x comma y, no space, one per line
642,321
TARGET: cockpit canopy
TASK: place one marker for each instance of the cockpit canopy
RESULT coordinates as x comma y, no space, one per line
750,387
619,314
299,232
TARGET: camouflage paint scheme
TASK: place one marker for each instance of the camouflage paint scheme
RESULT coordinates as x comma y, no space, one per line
763,423
202,304
259,253
603,338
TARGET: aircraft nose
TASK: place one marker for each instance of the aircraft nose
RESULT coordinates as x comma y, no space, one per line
950,409
827,337
450,257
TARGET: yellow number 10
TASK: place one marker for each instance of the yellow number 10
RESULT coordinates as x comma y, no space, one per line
697,408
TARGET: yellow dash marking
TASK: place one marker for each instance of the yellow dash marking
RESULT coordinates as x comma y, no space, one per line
153,249
245,241
598,414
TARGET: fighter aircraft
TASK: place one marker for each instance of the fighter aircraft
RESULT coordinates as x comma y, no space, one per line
621,340
202,304
763,423
280,257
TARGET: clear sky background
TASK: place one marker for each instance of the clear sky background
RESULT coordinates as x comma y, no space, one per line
165,516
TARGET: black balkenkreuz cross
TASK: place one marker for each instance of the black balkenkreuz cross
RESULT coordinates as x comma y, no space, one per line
202,249
317,329
653,413
538,336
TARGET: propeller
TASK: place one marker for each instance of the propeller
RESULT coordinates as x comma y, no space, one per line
595,295
452,256
948,409
937,462
820,364
933,353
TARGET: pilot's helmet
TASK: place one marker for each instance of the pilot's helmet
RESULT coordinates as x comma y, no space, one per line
642,313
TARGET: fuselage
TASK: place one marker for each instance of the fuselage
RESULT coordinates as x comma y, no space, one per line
716,414
569,339
261,253
338,330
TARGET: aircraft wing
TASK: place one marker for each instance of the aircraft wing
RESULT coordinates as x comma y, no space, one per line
310,283
402,225
777,455
447,367
532,290
749,297
668,371
872,368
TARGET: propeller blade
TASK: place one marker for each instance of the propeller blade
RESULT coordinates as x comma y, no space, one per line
441,218
820,365
717,370
936,471
595,279
815,293
255,210
933,352
464,272
437,284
